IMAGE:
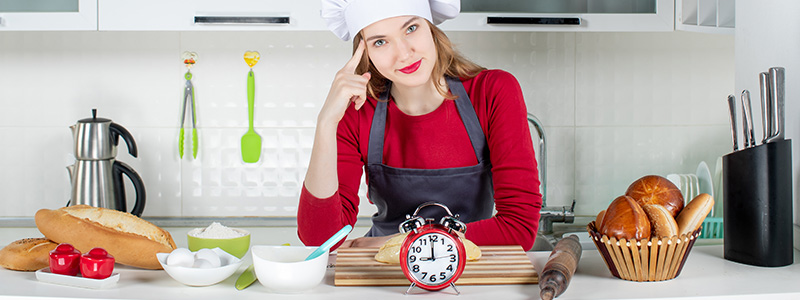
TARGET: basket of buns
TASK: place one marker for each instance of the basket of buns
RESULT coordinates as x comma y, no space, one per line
647,234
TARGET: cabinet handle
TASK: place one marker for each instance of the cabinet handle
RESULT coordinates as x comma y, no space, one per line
532,21
241,20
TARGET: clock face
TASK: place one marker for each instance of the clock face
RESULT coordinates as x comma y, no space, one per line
433,259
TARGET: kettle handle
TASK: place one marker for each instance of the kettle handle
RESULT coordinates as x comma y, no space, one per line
117,131
122,168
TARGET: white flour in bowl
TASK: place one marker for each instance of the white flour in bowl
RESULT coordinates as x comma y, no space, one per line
216,231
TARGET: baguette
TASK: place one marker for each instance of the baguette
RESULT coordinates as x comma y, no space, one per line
29,254
131,240
692,216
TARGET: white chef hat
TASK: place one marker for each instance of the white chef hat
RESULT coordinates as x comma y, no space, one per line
347,17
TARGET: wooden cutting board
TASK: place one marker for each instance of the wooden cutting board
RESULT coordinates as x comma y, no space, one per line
498,265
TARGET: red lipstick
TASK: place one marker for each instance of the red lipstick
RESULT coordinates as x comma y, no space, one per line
411,68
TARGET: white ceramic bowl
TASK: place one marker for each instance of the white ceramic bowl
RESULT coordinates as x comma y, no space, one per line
202,277
283,269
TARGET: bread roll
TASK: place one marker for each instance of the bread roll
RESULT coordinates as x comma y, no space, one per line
695,212
598,221
661,221
624,218
29,254
131,240
654,189
390,251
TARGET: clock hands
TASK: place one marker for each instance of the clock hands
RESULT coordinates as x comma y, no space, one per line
433,257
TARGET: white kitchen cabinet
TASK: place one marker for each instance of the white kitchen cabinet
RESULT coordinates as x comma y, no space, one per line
209,15
48,15
708,16
562,15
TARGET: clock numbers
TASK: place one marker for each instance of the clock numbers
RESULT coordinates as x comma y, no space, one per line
432,259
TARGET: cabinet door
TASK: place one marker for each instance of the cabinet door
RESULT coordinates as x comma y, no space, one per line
209,15
564,15
46,15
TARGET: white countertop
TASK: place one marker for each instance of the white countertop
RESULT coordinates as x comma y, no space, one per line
706,275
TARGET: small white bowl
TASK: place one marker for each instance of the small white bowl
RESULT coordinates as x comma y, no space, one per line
283,269
202,277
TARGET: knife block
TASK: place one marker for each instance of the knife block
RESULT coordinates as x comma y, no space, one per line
757,188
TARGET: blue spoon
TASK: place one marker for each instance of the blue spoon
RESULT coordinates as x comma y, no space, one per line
330,242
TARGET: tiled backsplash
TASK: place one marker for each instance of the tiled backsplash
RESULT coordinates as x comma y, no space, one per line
615,106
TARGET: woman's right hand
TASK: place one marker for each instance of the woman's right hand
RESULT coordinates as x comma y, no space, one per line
347,87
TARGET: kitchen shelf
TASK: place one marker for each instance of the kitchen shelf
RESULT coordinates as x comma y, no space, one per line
706,16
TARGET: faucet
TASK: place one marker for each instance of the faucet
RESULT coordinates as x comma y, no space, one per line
548,215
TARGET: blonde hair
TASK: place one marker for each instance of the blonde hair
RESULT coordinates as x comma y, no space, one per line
448,63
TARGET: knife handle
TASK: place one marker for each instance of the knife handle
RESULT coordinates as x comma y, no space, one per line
766,109
732,110
776,87
747,119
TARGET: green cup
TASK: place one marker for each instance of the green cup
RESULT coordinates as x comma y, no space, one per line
235,246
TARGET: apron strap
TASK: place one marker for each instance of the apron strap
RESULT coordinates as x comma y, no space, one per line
377,130
469,117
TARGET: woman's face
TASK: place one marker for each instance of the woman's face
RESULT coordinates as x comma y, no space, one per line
402,49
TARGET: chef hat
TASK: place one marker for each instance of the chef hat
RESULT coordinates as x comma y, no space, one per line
347,17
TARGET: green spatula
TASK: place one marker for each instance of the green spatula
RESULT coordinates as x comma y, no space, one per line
251,141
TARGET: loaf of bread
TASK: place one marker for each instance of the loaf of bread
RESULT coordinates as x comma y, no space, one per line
131,240
654,189
390,251
692,216
662,223
29,254
624,218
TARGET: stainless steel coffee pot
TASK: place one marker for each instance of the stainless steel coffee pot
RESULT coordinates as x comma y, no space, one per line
97,138
96,176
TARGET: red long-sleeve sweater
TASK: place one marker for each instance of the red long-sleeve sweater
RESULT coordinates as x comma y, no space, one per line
439,140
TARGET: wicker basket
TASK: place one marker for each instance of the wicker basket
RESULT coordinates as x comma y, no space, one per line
644,260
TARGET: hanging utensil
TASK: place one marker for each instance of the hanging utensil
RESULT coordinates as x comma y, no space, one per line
776,88
749,136
189,59
766,121
732,110
251,141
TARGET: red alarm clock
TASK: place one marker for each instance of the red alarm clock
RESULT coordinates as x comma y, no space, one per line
432,255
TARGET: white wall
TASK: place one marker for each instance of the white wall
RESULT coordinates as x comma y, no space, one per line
616,106
769,36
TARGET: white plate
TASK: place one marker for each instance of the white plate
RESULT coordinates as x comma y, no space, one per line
718,194
706,183
44,275
704,178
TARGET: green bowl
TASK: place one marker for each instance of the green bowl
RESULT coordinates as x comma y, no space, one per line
235,246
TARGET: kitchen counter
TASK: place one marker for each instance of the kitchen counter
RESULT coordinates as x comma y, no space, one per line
706,275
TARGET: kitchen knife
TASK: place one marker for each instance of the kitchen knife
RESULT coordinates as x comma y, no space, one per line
749,136
732,110
776,87
766,122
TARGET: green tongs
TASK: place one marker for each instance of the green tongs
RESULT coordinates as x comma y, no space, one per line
188,100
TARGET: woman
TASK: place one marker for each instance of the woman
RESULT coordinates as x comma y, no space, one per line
425,125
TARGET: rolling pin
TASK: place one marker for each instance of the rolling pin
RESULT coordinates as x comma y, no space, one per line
560,267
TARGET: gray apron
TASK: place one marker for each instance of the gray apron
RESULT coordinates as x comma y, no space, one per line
467,191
